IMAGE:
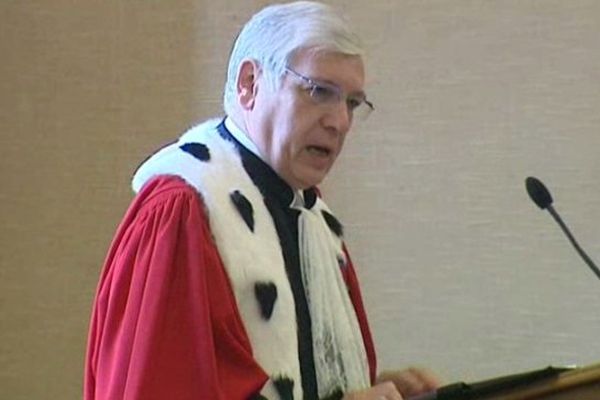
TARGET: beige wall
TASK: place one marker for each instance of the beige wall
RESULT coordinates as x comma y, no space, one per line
460,271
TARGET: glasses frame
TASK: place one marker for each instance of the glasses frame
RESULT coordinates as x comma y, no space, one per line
314,86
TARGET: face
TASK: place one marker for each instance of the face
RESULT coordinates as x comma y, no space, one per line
297,136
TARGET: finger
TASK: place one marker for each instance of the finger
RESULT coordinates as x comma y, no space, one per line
381,391
409,384
389,391
412,381
427,378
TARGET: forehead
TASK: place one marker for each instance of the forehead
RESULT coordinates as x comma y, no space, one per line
343,70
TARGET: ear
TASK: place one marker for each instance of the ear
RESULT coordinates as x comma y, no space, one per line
247,84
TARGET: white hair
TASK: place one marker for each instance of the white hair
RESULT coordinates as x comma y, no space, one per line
274,35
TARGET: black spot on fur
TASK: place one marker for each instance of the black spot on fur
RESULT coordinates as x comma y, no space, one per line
341,262
336,395
224,133
244,207
333,223
198,150
285,388
266,294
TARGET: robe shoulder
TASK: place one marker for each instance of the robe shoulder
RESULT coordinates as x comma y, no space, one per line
165,322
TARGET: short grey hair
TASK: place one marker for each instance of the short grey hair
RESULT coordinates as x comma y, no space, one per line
274,35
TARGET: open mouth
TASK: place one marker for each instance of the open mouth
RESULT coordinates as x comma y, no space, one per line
319,151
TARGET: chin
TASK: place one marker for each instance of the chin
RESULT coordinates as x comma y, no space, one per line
308,178
313,181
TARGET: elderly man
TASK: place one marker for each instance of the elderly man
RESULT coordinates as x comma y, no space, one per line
228,277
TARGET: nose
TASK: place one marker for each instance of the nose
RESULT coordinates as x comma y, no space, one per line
338,118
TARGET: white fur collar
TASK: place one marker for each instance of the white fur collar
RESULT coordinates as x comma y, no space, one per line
254,257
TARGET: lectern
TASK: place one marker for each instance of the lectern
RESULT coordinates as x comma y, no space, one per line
545,384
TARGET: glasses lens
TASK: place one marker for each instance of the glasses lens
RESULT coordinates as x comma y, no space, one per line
324,94
321,93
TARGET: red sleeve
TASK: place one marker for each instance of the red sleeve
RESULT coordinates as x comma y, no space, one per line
356,297
165,323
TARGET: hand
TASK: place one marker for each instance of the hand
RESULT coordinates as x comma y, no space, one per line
381,391
412,381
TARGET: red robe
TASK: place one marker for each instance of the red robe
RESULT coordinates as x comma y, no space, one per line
165,323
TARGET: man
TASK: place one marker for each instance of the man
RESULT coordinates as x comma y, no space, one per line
228,277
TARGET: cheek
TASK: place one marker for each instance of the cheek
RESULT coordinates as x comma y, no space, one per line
291,146
294,125
294,131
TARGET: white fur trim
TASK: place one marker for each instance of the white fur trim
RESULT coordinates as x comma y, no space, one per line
248,257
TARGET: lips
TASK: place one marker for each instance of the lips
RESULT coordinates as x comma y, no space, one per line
320,151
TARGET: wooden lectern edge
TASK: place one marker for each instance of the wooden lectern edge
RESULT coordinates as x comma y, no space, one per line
566,380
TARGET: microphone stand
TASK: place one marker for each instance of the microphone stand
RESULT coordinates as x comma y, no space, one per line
571,238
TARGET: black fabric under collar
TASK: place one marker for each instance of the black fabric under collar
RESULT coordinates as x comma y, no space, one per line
264,177
278,197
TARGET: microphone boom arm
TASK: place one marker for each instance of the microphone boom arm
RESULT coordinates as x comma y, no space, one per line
582,253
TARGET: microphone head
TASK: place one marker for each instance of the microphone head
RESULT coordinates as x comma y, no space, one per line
538,192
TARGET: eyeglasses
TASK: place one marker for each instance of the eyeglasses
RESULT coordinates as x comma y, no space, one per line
328,94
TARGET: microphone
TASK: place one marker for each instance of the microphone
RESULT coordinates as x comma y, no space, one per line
542,197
